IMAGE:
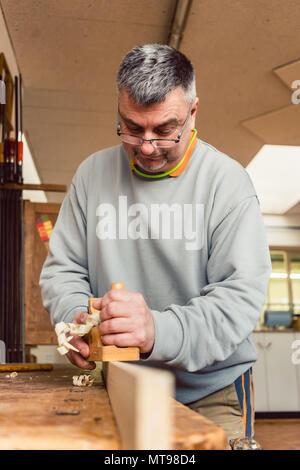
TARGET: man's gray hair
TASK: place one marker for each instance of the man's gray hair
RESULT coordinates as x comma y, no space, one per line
151,71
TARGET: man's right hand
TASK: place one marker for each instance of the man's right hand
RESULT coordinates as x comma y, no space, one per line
79,358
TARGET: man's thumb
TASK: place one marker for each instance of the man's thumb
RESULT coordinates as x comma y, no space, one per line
80,318
97,303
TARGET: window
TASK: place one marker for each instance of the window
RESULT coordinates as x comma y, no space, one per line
295,281
284,286
278,292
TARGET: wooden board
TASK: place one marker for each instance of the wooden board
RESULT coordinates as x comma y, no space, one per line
41,410
149,418
141,405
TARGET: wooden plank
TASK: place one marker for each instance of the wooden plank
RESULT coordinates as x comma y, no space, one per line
140,400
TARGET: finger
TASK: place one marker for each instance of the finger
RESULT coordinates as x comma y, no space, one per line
97,303
80,319
117,294
116,309
81,345
83,348
115,325
121,340
76,359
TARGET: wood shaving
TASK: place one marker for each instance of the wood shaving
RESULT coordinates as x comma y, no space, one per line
12,375
63,329
83,380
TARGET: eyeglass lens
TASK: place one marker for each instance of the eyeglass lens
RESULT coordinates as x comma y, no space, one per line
138,141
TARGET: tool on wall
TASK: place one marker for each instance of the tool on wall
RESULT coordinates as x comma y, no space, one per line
2,119
14,168
11,149
14,147
10,160
19,171
100,352
9,93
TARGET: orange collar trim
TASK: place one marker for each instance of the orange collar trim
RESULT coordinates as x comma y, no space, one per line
187,157
179,168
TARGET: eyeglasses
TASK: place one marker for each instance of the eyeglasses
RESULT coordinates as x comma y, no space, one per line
157,143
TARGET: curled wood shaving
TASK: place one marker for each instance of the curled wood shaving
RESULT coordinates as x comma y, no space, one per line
63,329
12,375
83,380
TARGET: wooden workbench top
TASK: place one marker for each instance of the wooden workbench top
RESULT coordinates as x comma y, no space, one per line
43,410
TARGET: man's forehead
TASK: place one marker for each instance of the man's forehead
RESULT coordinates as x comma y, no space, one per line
160,122
172,109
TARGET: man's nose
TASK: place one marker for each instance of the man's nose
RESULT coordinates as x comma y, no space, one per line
147,148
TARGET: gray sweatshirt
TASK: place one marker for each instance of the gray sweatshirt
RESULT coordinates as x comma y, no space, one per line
195,247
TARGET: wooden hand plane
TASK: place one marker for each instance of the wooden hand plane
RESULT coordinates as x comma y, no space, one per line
100,352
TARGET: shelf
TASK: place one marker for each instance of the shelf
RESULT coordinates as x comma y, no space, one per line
60,188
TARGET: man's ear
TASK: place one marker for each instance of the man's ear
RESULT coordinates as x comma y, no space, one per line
194,112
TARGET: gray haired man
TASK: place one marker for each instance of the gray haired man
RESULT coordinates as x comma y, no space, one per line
178,222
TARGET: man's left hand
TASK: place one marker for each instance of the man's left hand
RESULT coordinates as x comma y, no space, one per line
126,320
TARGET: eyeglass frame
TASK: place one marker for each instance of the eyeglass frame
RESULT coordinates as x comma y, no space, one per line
176,141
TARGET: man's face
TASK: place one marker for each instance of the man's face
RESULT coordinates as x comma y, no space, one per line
159,121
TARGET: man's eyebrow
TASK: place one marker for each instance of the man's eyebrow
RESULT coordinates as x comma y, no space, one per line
169,121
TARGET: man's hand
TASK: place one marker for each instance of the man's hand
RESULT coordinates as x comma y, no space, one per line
79,359
126,320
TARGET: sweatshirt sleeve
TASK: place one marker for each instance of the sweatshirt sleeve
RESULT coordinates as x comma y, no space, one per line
64,279
209,328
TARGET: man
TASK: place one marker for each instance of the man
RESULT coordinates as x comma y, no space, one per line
178,222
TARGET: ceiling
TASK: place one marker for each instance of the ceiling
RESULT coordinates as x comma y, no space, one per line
69,51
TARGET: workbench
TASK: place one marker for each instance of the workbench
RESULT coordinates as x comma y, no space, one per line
44,410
